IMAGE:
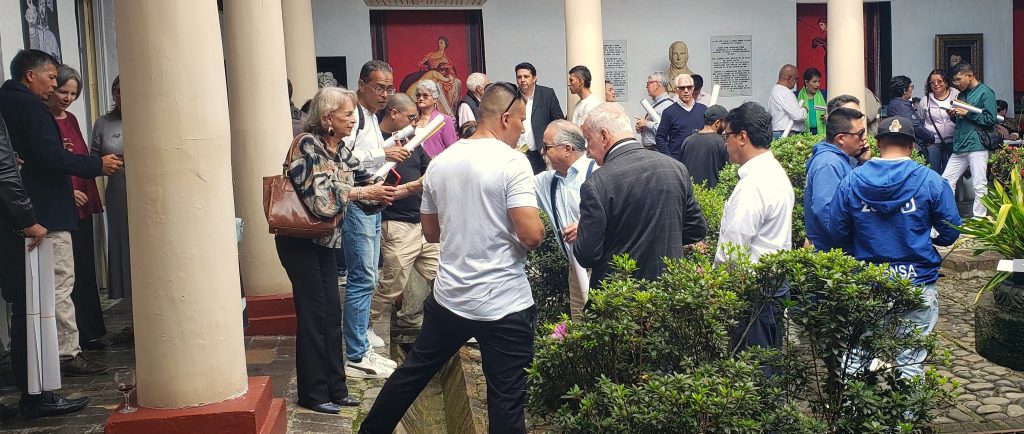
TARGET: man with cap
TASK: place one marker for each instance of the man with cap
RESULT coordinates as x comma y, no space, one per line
679,120
886,209
704,152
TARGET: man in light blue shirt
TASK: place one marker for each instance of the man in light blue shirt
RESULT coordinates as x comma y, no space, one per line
558,194
661,98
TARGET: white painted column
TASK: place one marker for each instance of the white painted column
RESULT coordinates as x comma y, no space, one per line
261,131
846,49
188,324
299,49
584,45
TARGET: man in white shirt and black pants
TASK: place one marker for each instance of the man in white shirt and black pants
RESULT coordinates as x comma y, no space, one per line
783,105
758,215
479,203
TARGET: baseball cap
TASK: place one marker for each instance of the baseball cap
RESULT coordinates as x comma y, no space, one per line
714,113
896,126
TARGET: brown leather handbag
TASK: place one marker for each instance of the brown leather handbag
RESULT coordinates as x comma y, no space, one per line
286,214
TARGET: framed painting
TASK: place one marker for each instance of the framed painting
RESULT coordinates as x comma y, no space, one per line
953,49
440,45
40,26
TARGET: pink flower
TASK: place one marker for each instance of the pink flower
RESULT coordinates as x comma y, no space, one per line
560,332
700,270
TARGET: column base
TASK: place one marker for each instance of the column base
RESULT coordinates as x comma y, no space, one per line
270,315
255,412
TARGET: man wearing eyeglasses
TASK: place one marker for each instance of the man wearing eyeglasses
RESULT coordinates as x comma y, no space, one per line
845,147
759,213
403,248
661,99
361,231
783,105
680,120
968,149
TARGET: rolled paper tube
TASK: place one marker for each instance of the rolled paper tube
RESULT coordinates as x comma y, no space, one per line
432,128
714,95
960,104
785,133
401,134
655,117
820,107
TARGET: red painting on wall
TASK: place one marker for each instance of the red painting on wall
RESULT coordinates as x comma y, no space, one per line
812,42
440,45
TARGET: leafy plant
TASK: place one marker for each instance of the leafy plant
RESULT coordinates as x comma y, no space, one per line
1005,161
1002,229
712,203
547,269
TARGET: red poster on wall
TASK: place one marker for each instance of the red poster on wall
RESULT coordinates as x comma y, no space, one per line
812,38
440,45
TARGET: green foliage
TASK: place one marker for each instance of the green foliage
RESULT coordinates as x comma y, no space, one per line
548,272
1005,161
655,356
1002,230
712,203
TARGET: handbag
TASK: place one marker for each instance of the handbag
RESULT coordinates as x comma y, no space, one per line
286,214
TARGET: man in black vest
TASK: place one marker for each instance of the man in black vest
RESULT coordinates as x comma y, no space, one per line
469,108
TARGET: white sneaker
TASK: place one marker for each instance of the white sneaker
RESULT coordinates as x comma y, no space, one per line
381,360
374,340
367,369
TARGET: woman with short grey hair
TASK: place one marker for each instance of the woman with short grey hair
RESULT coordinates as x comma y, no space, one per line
427,94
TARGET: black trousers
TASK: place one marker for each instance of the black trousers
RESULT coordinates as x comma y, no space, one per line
537,161
506,347
12,282
86,294
312,269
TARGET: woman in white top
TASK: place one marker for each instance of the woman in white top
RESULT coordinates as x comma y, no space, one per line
937,98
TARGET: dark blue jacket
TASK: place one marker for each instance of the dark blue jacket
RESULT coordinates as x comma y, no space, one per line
826,168
676,125
887,209
37,140
905,108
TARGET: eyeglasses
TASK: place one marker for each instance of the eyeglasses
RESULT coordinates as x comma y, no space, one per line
650,82
511,88
544,149
936,82
859,134
412,118
382,90
424,95
725,135
684,87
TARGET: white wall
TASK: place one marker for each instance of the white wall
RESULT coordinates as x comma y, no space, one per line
12,39
913,36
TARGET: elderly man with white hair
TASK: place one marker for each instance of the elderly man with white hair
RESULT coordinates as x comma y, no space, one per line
558,194
640,202
681,119
661,99
469,108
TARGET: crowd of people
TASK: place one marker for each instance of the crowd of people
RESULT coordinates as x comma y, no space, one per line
463,209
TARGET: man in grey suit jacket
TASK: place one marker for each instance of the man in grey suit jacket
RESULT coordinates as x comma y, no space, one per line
640,202
541,108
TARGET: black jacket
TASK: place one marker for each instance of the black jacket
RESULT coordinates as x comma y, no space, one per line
17,207
37,140
905,108
545,110
639,202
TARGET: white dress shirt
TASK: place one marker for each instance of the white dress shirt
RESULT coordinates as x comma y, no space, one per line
369,142
527,136
567,206
759,213
465,114
783,107
704,98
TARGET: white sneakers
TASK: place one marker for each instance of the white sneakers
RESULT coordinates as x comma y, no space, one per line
381,360
369,367
374,340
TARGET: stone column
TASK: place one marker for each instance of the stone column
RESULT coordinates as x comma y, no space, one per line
299,50
584,44
188,322
846,64
260,131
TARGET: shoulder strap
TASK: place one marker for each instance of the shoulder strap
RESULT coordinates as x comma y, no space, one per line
554,213
590,168
659,103
291,149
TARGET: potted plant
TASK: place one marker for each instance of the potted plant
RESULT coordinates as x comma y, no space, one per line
999,316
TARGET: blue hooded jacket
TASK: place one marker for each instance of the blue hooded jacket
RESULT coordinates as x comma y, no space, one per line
827,166
887,209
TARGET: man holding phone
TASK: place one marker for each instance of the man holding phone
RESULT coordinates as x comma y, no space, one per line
845,146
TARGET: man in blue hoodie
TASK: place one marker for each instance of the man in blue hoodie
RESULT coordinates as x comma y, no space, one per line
887,209
831,161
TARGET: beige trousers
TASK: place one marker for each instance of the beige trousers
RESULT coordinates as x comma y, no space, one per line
579,286
403,249
64,282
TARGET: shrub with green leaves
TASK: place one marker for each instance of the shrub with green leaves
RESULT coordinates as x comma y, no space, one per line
712,203
547,269
1002,229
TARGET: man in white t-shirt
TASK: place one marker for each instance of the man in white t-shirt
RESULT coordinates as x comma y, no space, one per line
479,203
579,85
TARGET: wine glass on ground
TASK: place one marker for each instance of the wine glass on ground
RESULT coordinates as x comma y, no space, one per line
125,380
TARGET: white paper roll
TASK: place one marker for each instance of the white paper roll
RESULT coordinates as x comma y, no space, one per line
655,117
401,134
960,104
432,128
714,95
789,127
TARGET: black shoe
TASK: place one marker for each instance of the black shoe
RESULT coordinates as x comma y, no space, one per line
7,413
80,367
7,384
50,404
348,401
327,407
95,344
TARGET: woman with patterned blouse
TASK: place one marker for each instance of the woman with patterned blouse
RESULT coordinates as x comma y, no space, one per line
323,172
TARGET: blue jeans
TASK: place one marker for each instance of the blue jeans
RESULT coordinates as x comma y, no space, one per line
361,239
909,362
